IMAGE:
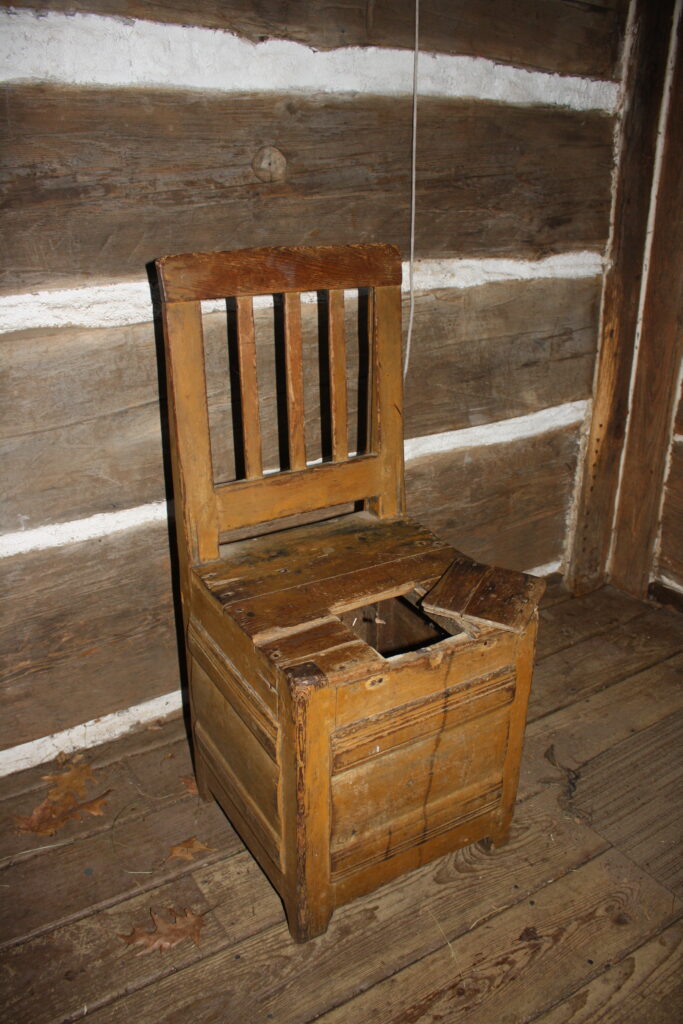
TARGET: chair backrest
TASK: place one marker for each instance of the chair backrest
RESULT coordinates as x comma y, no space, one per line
211,510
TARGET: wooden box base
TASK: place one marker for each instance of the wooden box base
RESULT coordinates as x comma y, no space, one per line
390,748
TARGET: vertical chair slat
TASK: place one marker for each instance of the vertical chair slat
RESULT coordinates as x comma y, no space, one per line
371,409
251,423
337,360
295,381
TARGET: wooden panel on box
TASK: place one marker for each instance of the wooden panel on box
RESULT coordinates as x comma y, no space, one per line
255,829
576,39
84,412
244,701
396,682
234,740
376,735
541,174
463,762
504,503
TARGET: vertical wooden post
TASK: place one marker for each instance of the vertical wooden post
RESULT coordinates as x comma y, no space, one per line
644,83
656,378
386,420
524,667
306,774
193,470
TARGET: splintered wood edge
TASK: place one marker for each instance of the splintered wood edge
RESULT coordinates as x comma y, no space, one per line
472,624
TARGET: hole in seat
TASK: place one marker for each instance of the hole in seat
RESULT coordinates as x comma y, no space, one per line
393,626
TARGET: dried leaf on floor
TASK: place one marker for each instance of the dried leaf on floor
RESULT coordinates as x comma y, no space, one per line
166,934
188,848
51,815
190,784
70,783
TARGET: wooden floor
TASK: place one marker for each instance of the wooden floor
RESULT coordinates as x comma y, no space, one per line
578,919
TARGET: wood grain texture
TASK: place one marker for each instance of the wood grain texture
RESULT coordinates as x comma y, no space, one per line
456,891
253,462
81,432
295,383
506,505
514,929
654,397
643,820
337,361
530,181
671,543
499,350
484,595
87,629
643,986
601,908
582,909
557,745
552,35
601,660
269,270
644,85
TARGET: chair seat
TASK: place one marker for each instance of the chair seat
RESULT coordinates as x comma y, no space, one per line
297,600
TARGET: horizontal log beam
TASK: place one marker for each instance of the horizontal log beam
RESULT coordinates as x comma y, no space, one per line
115,180
552,35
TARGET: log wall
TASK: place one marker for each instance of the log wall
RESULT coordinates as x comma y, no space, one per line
101,177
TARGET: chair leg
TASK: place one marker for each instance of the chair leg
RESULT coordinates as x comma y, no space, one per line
498,837
307,919
201,775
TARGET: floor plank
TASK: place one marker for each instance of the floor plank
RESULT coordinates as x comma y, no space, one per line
564,623
645,987
126,852
633,795
267,974
137,783
523,958
584,668
556,746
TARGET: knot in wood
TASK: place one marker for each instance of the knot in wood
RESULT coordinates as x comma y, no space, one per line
269,164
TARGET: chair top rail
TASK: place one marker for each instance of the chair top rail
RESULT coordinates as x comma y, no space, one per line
214,275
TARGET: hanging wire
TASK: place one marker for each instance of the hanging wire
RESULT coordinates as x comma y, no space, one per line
411,262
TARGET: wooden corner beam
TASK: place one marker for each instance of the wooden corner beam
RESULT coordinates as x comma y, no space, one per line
644,75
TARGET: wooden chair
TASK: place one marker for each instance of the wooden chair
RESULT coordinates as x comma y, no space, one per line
358,688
